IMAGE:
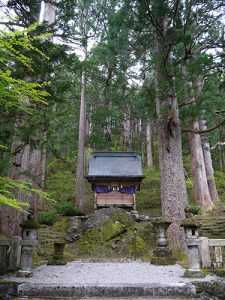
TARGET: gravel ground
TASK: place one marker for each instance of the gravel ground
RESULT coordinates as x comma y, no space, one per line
107,273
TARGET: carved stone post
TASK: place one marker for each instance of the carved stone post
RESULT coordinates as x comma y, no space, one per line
191,226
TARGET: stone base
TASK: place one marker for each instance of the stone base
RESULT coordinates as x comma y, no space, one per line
164,261
219,272
24,274
162,252
56,261
194,274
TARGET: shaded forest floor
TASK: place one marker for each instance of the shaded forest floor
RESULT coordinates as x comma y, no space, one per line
56,218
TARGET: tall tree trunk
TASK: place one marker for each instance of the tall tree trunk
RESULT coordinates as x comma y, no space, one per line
172,180
201,190
149,145
108,103
127,130
25,165
79,201
220,157
208,164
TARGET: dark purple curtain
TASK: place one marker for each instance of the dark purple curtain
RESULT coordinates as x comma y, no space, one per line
102,188
127,189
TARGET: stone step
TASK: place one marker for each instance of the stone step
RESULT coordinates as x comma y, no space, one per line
181,290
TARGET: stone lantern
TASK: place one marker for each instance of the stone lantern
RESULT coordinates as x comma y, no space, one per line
162,254
29,240
191,226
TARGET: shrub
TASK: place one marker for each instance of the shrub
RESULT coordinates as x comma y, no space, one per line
68,209
47,217
194,209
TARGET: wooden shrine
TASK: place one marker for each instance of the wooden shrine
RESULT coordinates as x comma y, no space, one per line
115,178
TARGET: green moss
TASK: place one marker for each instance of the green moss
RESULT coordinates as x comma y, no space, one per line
89,240
141,246
61,225
112,230
163,261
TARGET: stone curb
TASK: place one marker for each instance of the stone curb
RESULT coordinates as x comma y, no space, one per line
117,290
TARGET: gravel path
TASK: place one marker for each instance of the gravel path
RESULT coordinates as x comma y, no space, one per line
107,273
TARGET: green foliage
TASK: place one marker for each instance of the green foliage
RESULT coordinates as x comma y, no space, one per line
148,198
7,185
15,92
220,184
48,217
194,209
61,186
68,209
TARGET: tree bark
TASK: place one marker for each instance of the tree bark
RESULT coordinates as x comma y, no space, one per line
81,145
127,130
108,103
208,165
26,165
172,180
149,145
201,190
200,184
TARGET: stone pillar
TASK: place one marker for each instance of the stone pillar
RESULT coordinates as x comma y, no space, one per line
191,226
162,254
4,246
57,258
15,252
204,252
26,258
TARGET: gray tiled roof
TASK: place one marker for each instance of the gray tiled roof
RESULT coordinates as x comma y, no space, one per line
113,164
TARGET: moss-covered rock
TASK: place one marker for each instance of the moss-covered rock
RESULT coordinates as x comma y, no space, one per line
141,247
112,230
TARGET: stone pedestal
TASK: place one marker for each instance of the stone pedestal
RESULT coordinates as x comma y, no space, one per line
57,258
26,258
191,226
29,234
162,254
193,270
205,253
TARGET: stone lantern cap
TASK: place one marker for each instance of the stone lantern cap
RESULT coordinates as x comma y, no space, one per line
160,221
191,223
32,223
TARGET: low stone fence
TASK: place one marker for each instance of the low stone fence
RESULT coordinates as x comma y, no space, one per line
211,252
16,254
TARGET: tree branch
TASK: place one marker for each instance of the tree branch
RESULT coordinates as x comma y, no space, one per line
154,22
186,103
203,131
